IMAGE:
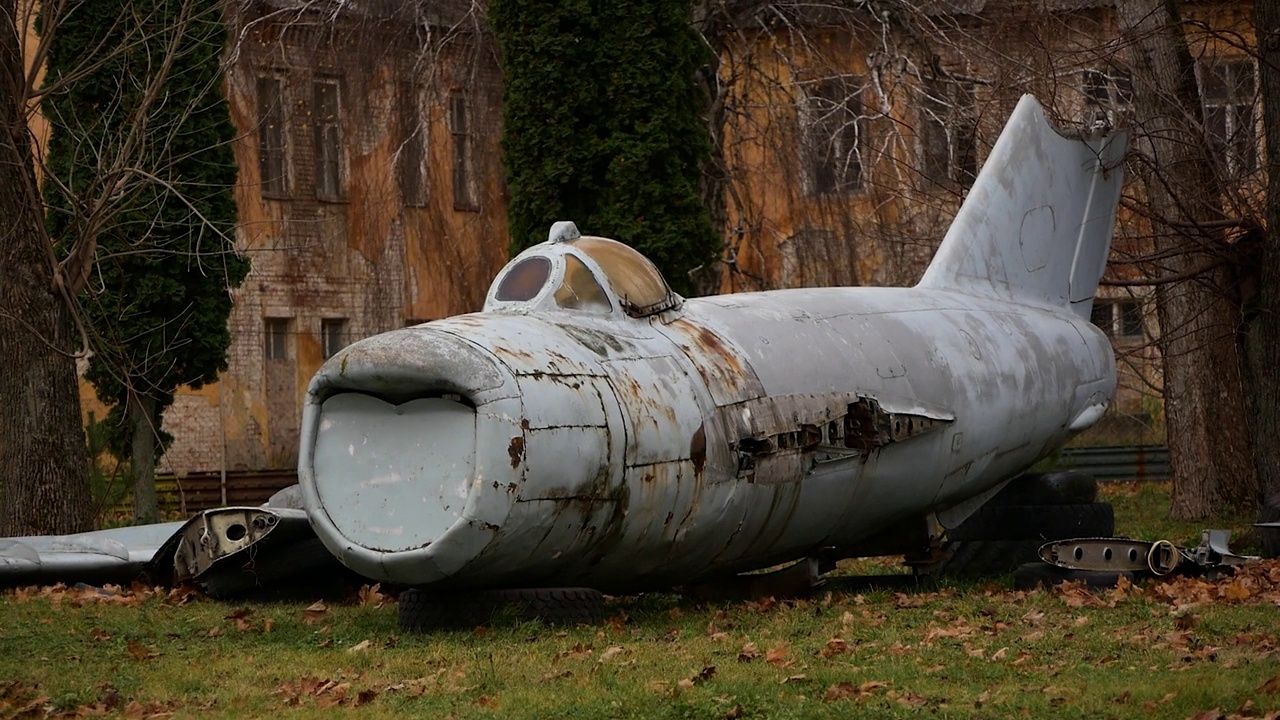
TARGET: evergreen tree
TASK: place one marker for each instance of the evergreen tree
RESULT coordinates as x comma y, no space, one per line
141,174
602,125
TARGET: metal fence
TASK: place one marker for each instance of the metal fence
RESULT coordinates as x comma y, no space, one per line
200,491
194,492
1112,464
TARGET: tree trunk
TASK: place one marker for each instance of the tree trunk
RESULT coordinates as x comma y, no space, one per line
1210,448
44,471
142,416
1264,321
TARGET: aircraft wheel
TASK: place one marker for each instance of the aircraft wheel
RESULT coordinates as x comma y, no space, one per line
1042,522
426,610
1040,573
1064,487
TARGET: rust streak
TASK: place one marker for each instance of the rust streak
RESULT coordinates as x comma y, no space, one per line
516,450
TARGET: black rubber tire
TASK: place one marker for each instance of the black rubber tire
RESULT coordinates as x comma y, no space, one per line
427,610
1039,522
1040,573
300,570
1063,487
982,558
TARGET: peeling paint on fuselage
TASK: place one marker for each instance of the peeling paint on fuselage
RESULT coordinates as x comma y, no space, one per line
624,438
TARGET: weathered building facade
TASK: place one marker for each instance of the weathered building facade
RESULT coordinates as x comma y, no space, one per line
371,192
370,197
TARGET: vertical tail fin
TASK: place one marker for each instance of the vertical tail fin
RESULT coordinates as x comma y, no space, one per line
1036,227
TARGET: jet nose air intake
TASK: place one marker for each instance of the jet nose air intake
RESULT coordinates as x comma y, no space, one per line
392,477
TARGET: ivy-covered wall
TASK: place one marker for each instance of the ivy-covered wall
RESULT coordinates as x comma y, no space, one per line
602,125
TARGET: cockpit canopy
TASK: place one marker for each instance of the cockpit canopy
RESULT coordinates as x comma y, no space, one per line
583,273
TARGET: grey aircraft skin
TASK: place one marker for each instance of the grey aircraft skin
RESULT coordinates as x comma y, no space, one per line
592,428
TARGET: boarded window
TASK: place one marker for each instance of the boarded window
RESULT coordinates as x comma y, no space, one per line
948,132
272,162
411,157
333,336
1108,95
276,336
328,140
831,135
464,191
1228,92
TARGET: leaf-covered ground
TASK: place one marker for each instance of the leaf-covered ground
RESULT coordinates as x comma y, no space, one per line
1187,648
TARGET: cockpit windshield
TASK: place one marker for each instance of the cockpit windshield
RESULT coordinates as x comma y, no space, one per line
582,273
579,290
632,276
524,280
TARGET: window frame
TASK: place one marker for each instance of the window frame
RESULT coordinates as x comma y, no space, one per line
832,135
949,132
333,336
412,178
273,136
326,127
1240,151
275,334
463,154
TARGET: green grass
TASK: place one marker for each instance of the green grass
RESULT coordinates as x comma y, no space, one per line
962,650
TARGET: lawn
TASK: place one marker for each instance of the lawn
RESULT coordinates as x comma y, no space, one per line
1158,650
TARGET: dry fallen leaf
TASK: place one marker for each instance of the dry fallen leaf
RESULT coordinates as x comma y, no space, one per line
140,652
370,595
1271,686
611,653
835,646
360,646
315,612
778,656
748,653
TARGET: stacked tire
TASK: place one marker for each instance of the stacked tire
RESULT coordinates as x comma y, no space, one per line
1031,510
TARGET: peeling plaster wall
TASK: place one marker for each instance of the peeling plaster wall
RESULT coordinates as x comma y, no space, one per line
367,258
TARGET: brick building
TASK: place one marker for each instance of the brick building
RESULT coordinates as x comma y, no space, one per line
371,192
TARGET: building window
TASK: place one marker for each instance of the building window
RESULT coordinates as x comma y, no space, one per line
328,145
333,336
276,336
1228,92
1108,94
1119,319
831,134
272,162
411,157
464,192
948,132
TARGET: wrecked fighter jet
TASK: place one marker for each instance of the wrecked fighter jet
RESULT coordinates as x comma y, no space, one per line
592,428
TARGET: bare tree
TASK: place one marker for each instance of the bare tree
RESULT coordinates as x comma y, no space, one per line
1264,311
44,484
